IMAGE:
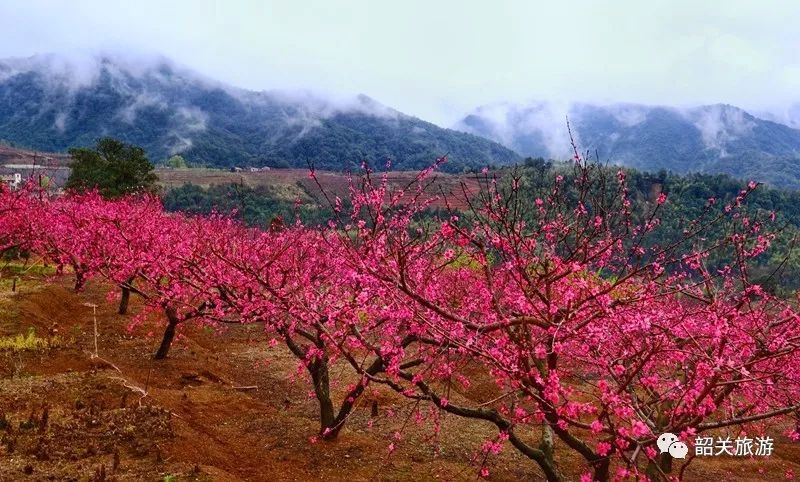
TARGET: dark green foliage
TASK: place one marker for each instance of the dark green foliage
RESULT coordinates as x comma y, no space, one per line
262,205
256,206
112,167
176,162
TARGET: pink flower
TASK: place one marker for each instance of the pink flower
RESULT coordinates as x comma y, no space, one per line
640,429
447,230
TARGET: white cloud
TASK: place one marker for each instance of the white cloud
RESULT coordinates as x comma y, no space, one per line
720,124
438,60
60,122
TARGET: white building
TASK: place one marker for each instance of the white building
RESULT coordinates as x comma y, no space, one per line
13,180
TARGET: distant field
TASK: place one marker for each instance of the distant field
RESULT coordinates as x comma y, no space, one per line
17,156
334,184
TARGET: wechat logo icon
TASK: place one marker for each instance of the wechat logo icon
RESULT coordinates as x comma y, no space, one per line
670,443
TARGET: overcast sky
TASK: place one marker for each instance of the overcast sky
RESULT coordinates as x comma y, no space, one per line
439,59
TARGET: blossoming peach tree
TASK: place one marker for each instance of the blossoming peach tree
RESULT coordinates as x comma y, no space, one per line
131,242
14,205
295,282
597,335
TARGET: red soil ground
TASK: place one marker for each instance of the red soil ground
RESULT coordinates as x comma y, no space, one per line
224,406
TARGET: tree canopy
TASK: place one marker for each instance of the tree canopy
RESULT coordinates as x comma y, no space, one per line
112,167
177,162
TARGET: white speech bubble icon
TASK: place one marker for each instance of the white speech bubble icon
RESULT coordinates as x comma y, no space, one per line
678,450
665,440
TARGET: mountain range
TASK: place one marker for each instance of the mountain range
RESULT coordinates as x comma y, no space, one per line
711,138
50,103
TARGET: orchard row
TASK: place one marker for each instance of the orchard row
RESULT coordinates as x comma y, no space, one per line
598,333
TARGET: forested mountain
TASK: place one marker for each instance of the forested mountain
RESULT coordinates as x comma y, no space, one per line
711,139
50,103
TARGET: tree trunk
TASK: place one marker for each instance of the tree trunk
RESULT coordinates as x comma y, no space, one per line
318,369
169,334
123,301
601,469
547,445
548,466
662,462
327,420
80,280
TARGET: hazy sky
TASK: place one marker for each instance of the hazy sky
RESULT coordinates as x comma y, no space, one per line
439,59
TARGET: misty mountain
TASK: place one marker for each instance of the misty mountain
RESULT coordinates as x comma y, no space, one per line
52,103
788,115
711,139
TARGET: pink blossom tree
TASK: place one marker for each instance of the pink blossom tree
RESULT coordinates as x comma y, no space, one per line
595,333
293,280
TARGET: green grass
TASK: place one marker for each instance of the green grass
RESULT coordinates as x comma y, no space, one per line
29,342
11,269
22,275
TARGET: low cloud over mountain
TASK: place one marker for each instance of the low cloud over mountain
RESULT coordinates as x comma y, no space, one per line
711,138
53,102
